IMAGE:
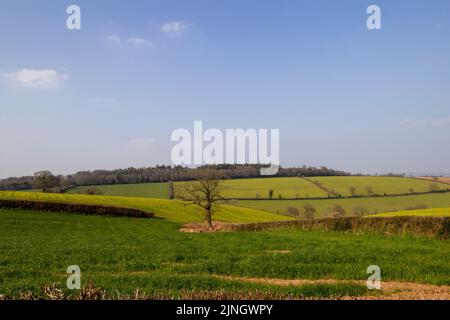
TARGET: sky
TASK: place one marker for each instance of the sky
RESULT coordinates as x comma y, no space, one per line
110,95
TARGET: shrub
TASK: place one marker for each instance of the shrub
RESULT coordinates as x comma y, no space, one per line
74,208
293,211
417,207
337,211
309,211
438,227
360,211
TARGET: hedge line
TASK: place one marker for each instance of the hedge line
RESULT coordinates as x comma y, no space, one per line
74,208
438,227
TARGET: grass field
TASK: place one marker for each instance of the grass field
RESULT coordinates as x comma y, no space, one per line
125,254
172,210
145,190
374,204
380,185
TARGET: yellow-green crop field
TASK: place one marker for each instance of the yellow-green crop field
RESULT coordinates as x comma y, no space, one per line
380,185
373,204
252,188
172,210
287,188
438,212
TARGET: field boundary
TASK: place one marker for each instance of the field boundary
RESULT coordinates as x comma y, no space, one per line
74,208
437,227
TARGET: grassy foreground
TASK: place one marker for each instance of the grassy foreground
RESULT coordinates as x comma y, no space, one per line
125,254
175,211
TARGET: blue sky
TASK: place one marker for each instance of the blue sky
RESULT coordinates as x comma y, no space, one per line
109,95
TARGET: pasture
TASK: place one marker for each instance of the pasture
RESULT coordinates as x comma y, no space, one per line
121,255
144,190
287,188
380,185
373,205
173,210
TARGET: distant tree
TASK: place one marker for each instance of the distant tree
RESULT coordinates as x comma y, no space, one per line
360,211
337,211
257,196
369,191
297,195
434,187
205,193
171,190
271,194
411,190
293,211
280,196
45,180
352,191
309,211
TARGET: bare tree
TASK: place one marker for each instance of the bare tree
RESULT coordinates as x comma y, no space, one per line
171,190
369,191
337,211
309,211
205,193
271,194
45,180
359,211
352,191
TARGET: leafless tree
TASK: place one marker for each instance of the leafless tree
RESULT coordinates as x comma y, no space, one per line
369,190
205,193
309,211
352,191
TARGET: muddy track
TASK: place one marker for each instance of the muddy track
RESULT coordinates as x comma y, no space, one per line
390,290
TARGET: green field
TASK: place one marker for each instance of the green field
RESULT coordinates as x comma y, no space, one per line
121,255
373,204
380,185
291,188
172,210
145,190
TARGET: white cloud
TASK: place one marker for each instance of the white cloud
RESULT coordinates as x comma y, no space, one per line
174,28
139,42
114,39
36,78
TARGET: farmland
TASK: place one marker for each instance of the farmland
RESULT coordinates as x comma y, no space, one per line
372,204
259,188
145,190
175,211
379,185
121,255
438,212
287,188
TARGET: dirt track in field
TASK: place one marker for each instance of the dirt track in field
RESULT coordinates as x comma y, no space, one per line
390,290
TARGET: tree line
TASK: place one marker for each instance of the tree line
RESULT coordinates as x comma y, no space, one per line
60,183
